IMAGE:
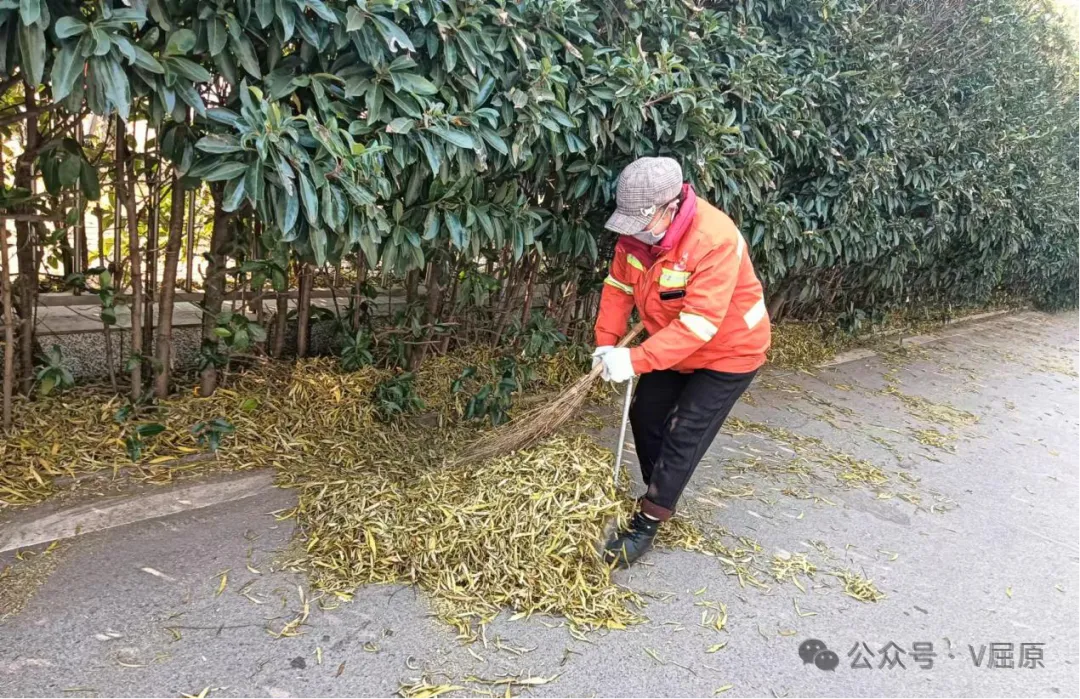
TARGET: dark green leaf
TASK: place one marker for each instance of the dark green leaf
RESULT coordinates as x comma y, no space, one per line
144,60
102,41
257,332
318,245
370,247
320,9
122,15
180,42
309,199
66,27
432,153
292,212
458,233
400,125
223,116
459,138
355,19
67,68
413,84
88,181
286,17
124,46
217,35
150,429
233,195
246,54
115,81
225,171
494,140
360,196
188,69
392,34
218,143
191,97
264,10
32,50
29,11
69,170
431,225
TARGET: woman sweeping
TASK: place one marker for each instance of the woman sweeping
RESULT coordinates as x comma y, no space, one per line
686,268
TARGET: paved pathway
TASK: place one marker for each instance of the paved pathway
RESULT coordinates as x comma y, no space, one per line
985,563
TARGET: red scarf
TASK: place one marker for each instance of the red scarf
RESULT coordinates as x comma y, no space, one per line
648,254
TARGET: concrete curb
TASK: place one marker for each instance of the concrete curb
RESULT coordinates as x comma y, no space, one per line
107,513
858,353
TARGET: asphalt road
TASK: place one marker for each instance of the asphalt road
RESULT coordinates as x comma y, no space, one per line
984,566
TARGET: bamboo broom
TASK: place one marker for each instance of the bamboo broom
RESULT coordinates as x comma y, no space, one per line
529,428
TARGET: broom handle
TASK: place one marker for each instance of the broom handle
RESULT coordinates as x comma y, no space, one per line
622,431
627,339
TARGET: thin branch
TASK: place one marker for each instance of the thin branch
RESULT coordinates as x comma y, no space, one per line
29,217
35,111
65,125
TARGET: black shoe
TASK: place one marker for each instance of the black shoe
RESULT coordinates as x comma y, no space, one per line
629,545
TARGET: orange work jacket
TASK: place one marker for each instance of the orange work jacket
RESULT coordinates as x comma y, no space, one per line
701,301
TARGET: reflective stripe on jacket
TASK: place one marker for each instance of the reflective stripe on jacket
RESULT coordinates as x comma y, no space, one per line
701,302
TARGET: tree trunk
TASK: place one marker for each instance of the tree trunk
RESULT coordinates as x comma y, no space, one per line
534,269
190,247
434,292
26,245
67,250
9,323
449,303
153,225
509,292
9,317
83,259
303,310
412,294
125,193
568,303
776,302
99,214
280,324
435,284
506,271
412,286
109,362
214,287
359,302
256,304
168,289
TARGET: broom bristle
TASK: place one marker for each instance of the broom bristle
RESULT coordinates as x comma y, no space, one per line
529,428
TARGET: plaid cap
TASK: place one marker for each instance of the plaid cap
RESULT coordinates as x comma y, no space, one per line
644,186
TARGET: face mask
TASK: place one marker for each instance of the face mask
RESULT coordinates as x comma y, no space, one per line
649,238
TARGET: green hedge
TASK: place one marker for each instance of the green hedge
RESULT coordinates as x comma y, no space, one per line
874,155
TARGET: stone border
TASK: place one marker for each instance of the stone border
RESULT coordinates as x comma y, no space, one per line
105,513
858,353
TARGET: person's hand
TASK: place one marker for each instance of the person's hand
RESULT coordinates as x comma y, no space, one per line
617,365
598,354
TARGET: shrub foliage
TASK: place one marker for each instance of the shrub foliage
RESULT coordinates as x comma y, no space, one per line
874,154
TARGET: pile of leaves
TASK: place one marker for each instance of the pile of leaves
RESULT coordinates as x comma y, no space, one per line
518,532
377,502
270,415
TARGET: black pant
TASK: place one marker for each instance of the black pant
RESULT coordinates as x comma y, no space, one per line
675,418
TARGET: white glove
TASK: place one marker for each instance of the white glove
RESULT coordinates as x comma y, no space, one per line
617,365
598,354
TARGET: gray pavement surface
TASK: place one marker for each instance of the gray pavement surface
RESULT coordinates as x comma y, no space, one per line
988,555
